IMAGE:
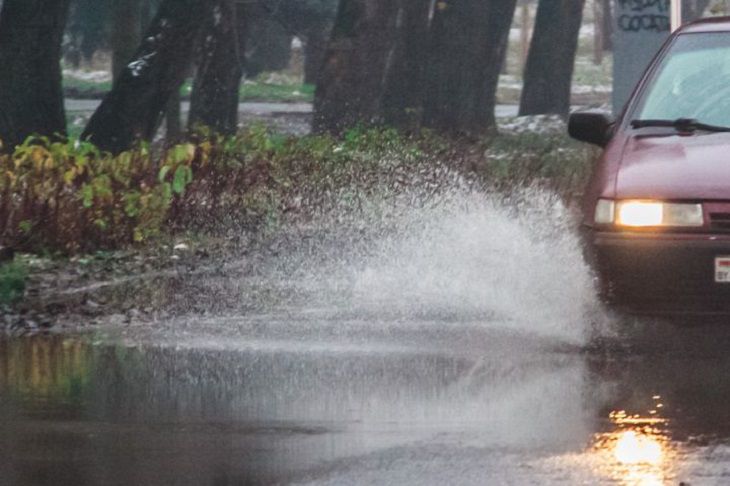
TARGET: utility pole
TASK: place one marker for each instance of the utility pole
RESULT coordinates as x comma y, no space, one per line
676,14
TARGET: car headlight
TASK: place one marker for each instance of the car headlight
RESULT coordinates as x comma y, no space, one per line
637,214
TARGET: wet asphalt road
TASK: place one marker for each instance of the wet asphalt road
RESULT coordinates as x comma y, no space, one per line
74,105
323,399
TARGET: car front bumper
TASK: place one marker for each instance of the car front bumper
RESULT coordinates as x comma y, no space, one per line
662,273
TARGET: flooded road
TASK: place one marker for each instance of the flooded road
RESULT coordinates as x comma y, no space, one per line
382,403
457,341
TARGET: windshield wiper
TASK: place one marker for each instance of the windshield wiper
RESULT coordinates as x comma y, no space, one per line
681,124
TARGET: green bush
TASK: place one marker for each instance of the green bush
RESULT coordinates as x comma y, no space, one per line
254,178
12,282
71,197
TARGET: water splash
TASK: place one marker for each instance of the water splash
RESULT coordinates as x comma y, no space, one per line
461,255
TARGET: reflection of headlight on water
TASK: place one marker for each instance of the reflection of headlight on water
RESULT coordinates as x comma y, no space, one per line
637,452
637,448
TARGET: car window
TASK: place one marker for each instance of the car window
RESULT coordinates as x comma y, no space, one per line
692,81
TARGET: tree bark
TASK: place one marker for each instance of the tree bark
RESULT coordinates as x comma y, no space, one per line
314,51
467,46
351,84
31,96
214,100
173,123
607,27
268,43
549,69
403,97
126,32
598,33
131,110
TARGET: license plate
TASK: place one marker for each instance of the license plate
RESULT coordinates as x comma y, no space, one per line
722,269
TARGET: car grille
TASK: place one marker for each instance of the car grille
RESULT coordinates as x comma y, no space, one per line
720,222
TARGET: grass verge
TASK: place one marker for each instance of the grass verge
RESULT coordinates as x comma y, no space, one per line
71,198
258,90
12,282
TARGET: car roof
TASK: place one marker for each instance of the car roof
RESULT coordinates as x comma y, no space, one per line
710,24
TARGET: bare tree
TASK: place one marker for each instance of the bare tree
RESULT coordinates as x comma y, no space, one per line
315,47
607,26
126,32
31,97
214,101
403,95
351,84
131,111
549,69
468,41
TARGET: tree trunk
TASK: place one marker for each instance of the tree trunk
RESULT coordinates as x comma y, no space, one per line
549,70
173,123
314,51
131,110
242,27
31,96
403,97
358,57
598,33
467,47
126,32
268,44
214,100
607,27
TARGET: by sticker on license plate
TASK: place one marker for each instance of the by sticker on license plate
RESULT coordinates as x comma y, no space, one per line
722,269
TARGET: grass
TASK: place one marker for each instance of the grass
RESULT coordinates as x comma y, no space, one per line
552,160
263,91
256,90
75,124
85,88
276,92
12,281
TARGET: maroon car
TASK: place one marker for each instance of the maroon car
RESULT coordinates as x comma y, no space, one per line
657,209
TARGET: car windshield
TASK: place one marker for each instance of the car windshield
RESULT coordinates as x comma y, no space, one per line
692,81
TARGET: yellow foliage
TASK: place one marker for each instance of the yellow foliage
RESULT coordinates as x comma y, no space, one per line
71,197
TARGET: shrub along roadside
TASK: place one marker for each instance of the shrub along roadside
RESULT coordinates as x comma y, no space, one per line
70,197
12,282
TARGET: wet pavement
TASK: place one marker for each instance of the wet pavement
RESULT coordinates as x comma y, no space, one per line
312,397
451,343
260,108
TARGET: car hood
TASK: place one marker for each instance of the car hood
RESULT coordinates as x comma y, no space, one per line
675,167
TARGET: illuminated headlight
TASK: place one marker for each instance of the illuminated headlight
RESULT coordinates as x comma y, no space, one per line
640,213
648,213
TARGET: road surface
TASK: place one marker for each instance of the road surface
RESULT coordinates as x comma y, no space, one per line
322,400
73,106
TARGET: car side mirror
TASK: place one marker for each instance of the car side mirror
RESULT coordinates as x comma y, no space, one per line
591,126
